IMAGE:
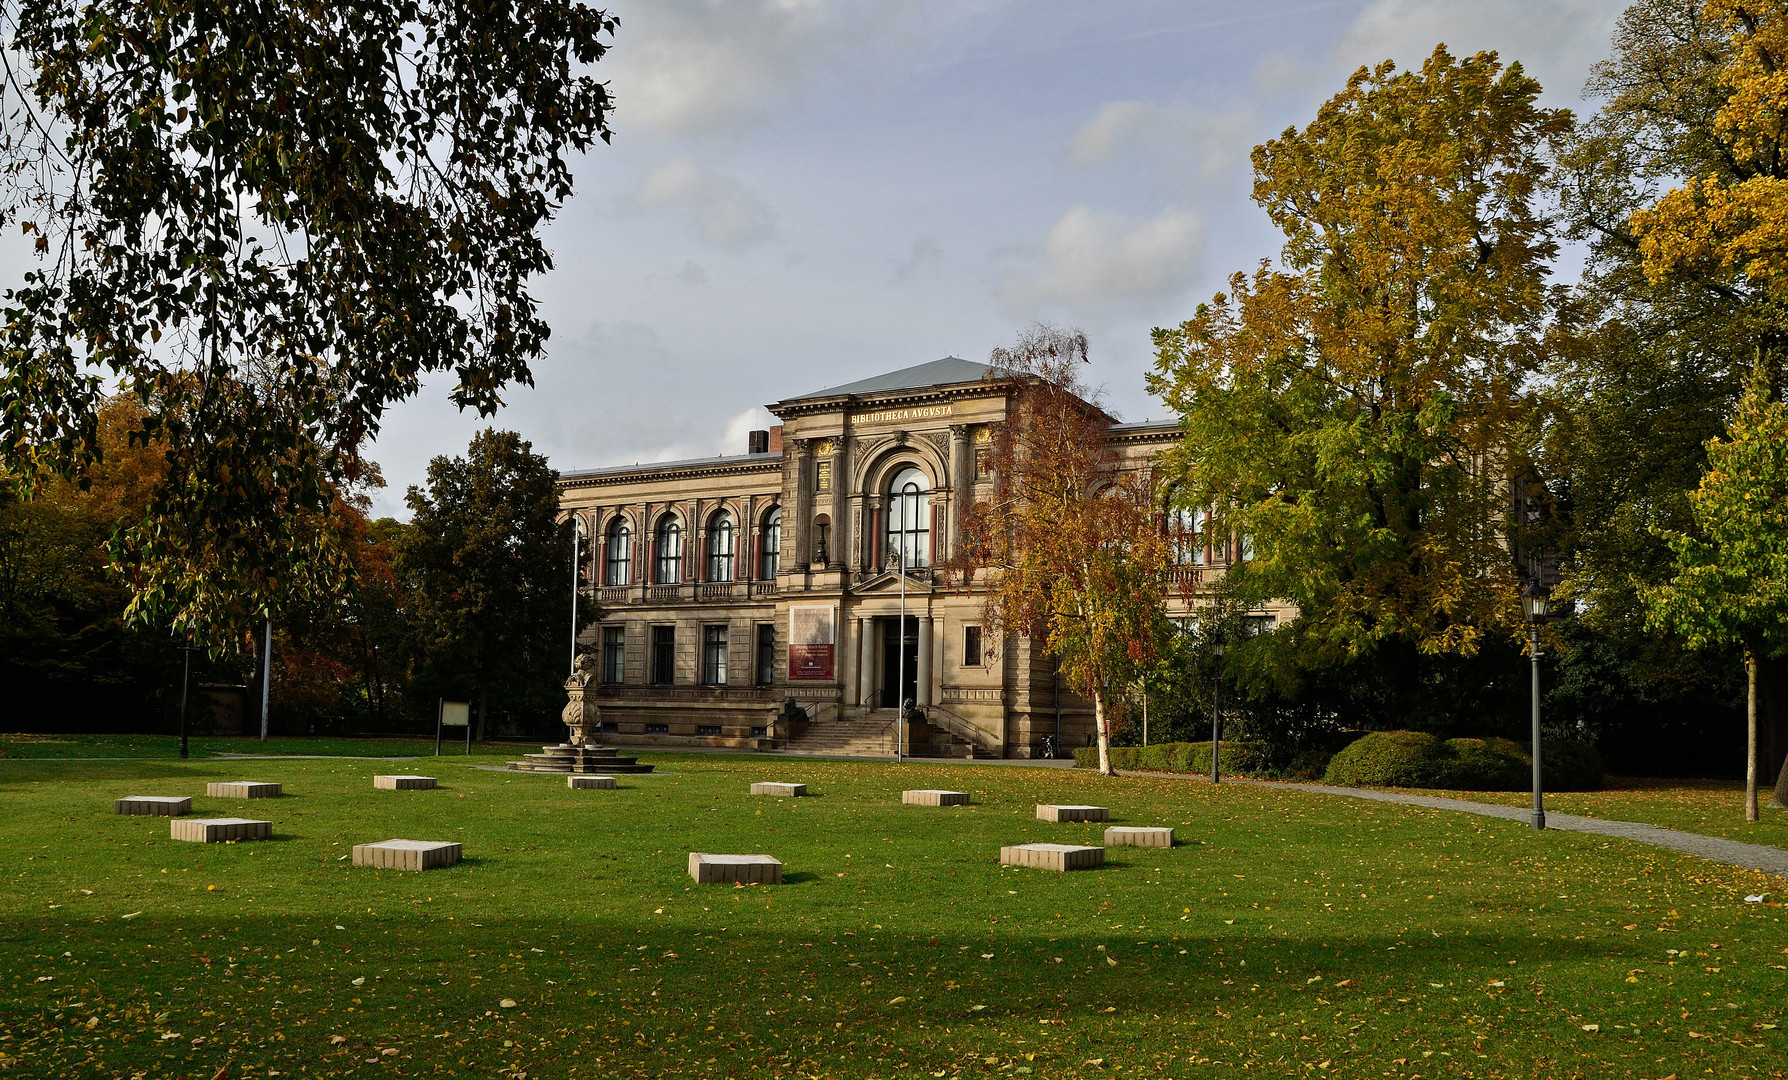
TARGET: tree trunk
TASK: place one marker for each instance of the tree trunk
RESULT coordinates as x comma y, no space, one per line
1751,736
1103,732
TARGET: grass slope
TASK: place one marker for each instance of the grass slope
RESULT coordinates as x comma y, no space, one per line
1289,934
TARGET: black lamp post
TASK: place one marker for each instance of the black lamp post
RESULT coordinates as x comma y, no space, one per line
1216,716
185,681
1536,604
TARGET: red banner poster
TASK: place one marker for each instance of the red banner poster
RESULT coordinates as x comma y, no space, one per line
812,641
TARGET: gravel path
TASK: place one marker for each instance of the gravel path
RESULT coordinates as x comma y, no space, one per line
1771,860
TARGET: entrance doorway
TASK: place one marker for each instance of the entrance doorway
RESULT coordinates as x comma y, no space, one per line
893,644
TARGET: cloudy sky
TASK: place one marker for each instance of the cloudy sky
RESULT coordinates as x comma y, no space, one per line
805,192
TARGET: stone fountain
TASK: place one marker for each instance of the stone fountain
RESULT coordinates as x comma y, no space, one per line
578,754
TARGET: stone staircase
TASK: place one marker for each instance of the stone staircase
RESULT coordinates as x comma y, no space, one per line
565,758
861,736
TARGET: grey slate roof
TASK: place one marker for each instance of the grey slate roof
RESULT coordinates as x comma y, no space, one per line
951,369
685,463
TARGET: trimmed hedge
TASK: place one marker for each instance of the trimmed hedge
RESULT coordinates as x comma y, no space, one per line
1238,758
1419,760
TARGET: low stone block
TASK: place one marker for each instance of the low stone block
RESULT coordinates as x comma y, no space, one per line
219,829
1053,856
928,797
407,854
787,791
709,869
153,805
1138,836
243,789
404,783
1051,812
604,783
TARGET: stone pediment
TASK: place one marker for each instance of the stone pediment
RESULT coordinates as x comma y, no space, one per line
887,583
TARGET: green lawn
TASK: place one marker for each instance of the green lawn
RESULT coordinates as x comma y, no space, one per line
1710,807
1290,934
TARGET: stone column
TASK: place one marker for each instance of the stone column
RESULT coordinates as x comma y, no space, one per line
841,527
961,480
923,691
846,652
866,663
803,503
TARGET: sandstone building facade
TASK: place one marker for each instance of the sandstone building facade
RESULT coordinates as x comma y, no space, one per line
727,585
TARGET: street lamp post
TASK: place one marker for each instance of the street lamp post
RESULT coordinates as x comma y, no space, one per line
577,532
897,561
1216,716
1536,604
185,681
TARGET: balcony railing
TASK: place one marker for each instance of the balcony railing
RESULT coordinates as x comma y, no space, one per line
716,590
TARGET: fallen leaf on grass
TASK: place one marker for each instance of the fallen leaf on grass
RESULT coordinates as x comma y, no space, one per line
132,915
337,1040
896,1001
506,1003
1592,1027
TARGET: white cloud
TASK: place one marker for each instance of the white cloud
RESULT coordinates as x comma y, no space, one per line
739,428
727,214
1556,41
1093,258
682,66
1183,140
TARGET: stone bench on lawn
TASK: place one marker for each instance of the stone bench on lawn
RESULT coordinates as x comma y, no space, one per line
153,805
1138,836
1053,856
932,797
243,789
217,830
709,869
407,854
1051,812
403,783
602,783
787,791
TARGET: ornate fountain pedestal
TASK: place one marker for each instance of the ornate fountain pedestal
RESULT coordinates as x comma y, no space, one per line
579,755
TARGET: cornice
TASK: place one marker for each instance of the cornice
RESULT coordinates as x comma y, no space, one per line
639,473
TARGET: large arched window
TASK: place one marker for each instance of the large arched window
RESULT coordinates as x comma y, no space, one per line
620,554
720,547
770,561
670,551
909,518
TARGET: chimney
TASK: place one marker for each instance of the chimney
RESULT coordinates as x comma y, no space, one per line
757,442
776,439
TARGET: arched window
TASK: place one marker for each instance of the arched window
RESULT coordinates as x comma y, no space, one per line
1186,534
670,551
720,547
620,554
771,558
909,518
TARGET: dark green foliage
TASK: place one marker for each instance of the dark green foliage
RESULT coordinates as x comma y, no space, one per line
486,563
267,222
1416,759
1236,758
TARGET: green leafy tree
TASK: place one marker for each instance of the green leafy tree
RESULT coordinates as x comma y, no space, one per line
268,221
1672,338
486,563
1070,541
1731,583
1357,414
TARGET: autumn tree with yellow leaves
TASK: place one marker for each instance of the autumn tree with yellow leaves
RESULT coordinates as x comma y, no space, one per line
1352,411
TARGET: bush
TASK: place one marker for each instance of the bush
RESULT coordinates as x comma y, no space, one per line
1391,759
1487,765
1238,758
1416,759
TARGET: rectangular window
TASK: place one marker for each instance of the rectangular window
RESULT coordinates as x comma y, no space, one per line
658,729
971,646
614,653
766,653
714,655
664,655
707,729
